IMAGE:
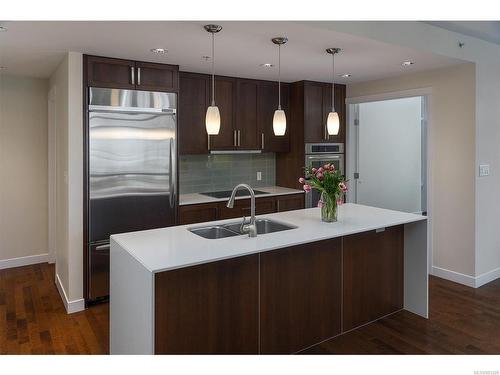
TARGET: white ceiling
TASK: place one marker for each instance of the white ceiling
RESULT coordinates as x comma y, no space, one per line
36,48
486,30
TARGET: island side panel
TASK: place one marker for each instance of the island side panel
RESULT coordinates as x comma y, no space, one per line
372,275
212,308
131,304
416,288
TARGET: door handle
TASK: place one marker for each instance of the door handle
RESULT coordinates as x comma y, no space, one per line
132,75
138,76
171,174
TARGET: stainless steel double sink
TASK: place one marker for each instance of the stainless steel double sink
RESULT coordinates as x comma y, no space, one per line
232,229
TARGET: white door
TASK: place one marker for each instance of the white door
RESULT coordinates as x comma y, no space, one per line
390,154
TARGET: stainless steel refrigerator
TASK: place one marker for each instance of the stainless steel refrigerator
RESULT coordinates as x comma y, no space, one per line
132,171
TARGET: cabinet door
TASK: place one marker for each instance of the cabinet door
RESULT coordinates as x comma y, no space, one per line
267,103
290,202
225,94
212,308
193,103
242,207
373,275
300,291
112,73
246,117
157,77
198,213
339,107
314,120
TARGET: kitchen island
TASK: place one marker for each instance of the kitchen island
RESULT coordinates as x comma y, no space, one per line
172,291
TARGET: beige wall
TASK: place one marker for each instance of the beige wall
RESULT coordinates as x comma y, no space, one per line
452,153
23,166
66,83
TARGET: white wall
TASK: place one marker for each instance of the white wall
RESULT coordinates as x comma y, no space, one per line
66,82
23,170
451,149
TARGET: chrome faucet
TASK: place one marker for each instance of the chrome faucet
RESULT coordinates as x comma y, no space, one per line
250,227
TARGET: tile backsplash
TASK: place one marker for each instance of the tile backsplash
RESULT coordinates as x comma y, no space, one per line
206,173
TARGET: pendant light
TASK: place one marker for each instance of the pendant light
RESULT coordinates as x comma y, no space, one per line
333,123
279,118
212,118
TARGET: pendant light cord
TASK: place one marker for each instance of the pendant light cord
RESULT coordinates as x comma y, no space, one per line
333,82
213,69
279,76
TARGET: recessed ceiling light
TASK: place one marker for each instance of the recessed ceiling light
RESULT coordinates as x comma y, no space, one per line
3,28
159,51
346,75
3,67
266,65
407,63
206,58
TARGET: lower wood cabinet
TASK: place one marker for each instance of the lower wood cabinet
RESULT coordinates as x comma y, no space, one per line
198,213
212,308
373,283
300,296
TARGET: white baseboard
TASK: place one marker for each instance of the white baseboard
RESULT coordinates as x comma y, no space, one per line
454,276
23,261
472,281
487,277
71,306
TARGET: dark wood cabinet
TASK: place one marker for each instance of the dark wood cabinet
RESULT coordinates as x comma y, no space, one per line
194,94
157,77
225,99
128,74
372,275
290,202
246,117
212,308
300,291
203,212
198,213
112,73
267,103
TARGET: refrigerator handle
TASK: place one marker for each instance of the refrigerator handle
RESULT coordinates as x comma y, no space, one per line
172,173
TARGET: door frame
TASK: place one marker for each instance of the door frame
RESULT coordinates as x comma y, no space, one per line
350,160
52,173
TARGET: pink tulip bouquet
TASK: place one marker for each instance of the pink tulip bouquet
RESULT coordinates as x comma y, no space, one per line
332,186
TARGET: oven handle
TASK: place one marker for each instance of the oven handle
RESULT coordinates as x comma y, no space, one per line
325,158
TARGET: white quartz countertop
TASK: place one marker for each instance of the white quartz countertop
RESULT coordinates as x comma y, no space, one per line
196,198
176,247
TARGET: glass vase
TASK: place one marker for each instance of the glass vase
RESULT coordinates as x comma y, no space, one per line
328,208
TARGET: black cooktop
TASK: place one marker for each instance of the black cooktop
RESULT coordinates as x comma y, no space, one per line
227,193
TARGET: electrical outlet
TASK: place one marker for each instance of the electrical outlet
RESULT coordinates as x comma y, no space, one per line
484,170
259,176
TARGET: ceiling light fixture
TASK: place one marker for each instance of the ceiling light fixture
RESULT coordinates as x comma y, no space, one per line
3,28
159,51
407,63
266,65
333,122
279,118
347,75
212,118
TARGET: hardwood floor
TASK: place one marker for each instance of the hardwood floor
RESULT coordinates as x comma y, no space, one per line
462,320
33,319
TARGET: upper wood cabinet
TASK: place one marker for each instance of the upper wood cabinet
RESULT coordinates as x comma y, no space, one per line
317,98
112,73
157,77
194,93
225,99
127,74
246,115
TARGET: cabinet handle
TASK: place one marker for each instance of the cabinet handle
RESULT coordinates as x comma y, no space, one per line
326,133
239,137
132,75
262,140
208,142
138,76
234,138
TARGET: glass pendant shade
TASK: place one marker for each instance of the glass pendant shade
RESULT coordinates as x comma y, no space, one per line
333,123
212,120
279,122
